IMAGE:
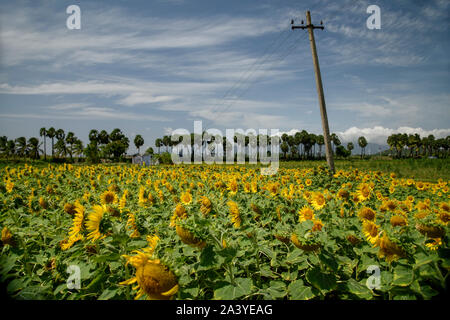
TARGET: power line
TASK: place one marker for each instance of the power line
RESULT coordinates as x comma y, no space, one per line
252,71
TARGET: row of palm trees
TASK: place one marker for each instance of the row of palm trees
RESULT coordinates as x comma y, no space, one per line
65,143
20,147
301,145
412,145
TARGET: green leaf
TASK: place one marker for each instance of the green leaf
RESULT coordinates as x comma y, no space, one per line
107,294
328,260
422,259
277,289
16,284
231,292
207,257
295,257
358,289
298,291
403,276
323,281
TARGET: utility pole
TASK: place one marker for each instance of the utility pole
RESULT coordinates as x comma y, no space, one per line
323,110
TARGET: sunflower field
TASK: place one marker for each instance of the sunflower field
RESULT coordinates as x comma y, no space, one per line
221,232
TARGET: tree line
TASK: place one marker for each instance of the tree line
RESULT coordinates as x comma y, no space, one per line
102,145
301,145
402,145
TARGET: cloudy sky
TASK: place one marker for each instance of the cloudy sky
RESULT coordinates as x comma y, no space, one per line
148,67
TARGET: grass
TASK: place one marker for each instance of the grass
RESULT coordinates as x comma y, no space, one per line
421,169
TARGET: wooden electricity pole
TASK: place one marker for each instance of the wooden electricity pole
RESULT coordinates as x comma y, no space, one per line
323,110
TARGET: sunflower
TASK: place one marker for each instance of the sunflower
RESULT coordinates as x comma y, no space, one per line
398,221
318,201
153,279
233,187
93,223
363,191
178,213
108,197
434,243
273,188
317,225
444,206
306,213
186,198
7,237
353,239
189,238
77,222
430,231
234,212
304,246
367,214
420,186
131,224
370,231
69,208
43,203
388,249
9,186
343,194
123,200
390,205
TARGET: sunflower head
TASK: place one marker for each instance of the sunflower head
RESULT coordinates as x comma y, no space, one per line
318,200
370,230
367,213
109,197
95,223
69,208
153,279
304,246
7,237
388,249
190,239
186,198
306,213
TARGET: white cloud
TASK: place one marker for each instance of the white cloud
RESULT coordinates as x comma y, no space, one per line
379,134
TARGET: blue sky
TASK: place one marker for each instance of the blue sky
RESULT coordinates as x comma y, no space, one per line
149,67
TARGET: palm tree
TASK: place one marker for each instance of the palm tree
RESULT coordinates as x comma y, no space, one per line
431,143
350,147
284,148
313,141
78,147
3,142
33,147
138,142
61,148
51,134
320,142
21,146
43,133
158,144
298,142
70,140
335,140
362,142
166,142
292,145
93,135
103,137
10,148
